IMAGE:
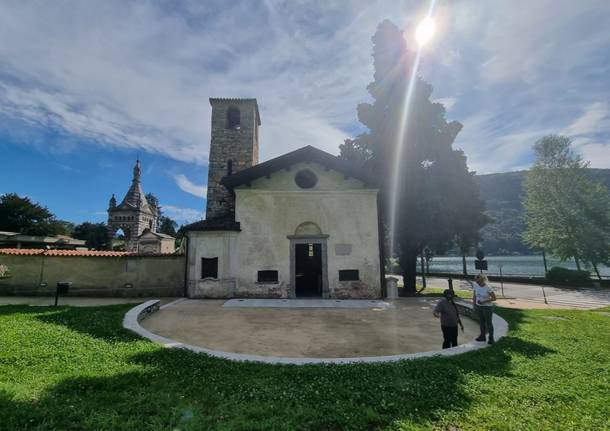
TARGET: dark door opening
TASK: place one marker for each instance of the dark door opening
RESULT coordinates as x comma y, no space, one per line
308,270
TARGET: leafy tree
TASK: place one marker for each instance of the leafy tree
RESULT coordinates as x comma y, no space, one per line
436,191
21,215
167,226
153,202
181,232
61,227
470,217
566,213
355,151
95,235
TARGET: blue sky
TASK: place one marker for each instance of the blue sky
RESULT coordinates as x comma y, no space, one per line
87,87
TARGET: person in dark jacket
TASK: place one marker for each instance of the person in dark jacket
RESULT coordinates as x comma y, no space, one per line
450,319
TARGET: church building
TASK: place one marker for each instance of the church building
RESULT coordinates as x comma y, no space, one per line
304,224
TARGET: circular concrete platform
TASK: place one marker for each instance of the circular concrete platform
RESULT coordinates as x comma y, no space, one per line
405,330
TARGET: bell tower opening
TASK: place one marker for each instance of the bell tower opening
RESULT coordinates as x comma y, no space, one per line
233,118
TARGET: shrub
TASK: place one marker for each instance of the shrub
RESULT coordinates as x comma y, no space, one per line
561,275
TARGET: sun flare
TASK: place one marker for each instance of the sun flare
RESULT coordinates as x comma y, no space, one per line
425,31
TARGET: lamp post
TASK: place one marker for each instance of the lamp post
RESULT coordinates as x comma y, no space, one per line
500,265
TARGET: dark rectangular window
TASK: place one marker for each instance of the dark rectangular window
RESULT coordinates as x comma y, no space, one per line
267,277
209,267
349,275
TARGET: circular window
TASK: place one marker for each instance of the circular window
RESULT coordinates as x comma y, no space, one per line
305,179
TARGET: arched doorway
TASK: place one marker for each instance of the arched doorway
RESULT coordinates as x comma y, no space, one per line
308,262
118,237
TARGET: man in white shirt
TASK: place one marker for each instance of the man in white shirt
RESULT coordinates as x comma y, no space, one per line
482,298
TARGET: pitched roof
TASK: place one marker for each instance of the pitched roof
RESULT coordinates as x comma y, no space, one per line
135,197
214,224
157,234
214,100
42,251
14,237
304,154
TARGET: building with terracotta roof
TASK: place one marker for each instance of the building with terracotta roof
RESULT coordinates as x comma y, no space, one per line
155,243
18,240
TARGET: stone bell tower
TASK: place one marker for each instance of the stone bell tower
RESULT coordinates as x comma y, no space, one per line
234,147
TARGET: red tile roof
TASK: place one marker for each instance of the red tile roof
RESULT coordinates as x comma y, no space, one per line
77,253
21,251
85,253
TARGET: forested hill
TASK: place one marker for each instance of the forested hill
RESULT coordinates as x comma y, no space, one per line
503,194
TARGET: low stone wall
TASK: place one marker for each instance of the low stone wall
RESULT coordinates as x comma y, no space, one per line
211,288
122,276
354,290
231,288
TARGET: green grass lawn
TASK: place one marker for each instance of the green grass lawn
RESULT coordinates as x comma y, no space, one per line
437,291
76,368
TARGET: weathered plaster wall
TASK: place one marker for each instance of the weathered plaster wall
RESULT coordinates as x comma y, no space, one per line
94,276
221,244
272,208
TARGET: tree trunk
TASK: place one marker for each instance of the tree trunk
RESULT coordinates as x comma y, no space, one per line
599,277
464,270
546,269
408,263
423,273
577,262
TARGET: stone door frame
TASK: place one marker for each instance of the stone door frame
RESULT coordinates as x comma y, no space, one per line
308,239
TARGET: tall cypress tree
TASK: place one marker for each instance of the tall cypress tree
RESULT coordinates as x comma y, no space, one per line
437,199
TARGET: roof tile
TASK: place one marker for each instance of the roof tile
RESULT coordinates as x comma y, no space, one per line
74,253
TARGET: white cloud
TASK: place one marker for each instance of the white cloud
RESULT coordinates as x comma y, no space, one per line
182,215
586,132
519,75
187,186
511,150
503,150
598,155
447,102
138,75
593,120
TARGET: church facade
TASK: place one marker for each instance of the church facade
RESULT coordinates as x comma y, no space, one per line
301,225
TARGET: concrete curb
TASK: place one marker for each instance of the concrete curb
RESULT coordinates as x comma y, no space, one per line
135,315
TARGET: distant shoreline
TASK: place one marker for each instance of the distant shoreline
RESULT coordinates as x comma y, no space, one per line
512,266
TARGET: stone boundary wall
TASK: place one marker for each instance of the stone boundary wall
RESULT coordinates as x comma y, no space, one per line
119,276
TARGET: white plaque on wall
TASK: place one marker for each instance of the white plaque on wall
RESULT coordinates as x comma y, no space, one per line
343,249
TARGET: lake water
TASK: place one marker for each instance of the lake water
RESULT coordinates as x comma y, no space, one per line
511,265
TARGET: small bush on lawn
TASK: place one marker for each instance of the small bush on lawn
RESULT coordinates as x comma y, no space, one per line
561,275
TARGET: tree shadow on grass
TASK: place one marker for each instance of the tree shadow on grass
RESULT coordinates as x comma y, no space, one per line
103,322
174,388
514,316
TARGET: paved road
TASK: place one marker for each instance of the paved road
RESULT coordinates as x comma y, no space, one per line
586,298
